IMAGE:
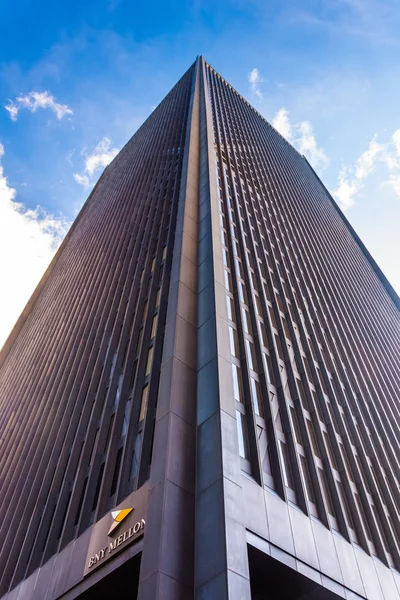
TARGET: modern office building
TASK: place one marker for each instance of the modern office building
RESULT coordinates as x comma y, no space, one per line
201,399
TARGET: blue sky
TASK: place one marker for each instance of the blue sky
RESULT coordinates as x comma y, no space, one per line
325,72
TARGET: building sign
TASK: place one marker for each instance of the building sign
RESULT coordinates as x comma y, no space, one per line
114,532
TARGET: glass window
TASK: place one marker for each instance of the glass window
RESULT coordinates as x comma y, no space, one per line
307,479
296,426
154,327
263,333
256,397
144,402
145,308
234,342
268,367
136,454
313,439
246,320
125,422
242,435
158,297
237,383
251,355
287,471
345,506
230,308
149,362
327,494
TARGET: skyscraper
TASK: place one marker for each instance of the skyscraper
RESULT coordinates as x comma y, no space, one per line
200,400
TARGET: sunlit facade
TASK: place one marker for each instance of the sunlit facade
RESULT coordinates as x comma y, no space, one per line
214,348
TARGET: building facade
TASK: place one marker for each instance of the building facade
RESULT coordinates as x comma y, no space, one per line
201,398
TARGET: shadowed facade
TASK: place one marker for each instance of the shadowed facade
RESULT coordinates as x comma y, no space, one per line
213,347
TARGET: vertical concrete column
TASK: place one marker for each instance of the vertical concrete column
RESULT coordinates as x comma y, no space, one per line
168,548
221,563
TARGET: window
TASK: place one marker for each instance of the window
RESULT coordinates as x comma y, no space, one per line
230,308
158,297
246,320
237,384
251,355
314,443
242,435
307,479
145,308
287,471
144,402
327,494
296,427
154,327
136,454
149,362
234,342
256,397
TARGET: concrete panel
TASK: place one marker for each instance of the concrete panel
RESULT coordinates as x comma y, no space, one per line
333,586
279,523
207,391
207,342
230,448
254,506
188,274
187,304
387,582
206,304
209,465
368,575
185,343
226,397
177,391
176,560
181,453
304,543
348,565
210,534
326,549
236,548
214,589
309,572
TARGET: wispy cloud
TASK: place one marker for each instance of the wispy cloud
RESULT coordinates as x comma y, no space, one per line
99,158
35,100
255,79
282,123
302,136
351,178
28,240
391,157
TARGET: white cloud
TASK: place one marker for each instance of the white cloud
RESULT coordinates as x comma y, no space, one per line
255,79
394,182
28,241
307,145
101,156
351,179
282,123
302,136
35,100
347,190
391,157
366,162
82,180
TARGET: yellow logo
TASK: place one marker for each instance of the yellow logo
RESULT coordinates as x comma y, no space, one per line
118,516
